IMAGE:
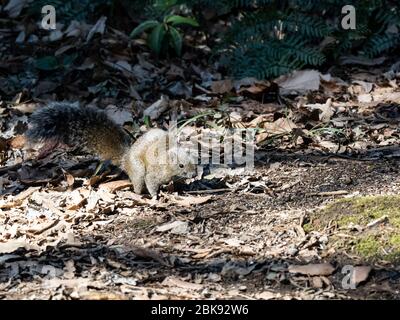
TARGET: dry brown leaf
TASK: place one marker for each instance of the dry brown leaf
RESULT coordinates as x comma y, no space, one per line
114,186
18,142
267,295
222,86
70,179
280,126
148,253
176,227
325,108
76,200
360,274
12,245
299,82
188,201
95,295
139,199
157,108
319,269
172,281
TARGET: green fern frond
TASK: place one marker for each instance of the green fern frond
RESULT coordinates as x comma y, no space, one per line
381,43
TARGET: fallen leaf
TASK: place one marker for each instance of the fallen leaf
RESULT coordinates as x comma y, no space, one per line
280,126
13,245
19,198
360,274
299,82
137,198
325,108
172,281
267,295
188,200
364,98
367,86
176,227
119,115
157,108
76,200
114,186
222,86
99,27
70,179
319,269
148,253
233,242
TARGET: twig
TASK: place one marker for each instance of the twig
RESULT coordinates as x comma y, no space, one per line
330,193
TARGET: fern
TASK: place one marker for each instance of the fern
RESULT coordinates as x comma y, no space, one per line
267,38
381,43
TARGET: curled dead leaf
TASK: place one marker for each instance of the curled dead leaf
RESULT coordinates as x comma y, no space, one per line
114,186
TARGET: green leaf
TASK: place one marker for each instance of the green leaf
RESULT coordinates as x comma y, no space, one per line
175,20
147,122
47,63
149,24
176,40
156,38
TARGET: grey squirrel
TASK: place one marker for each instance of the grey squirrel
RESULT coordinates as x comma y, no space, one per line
150,161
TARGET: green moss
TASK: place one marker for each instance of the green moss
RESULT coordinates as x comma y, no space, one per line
363,210
395,240
368,247
308,227
380,241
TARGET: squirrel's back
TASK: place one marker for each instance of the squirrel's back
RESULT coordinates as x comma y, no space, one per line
86,127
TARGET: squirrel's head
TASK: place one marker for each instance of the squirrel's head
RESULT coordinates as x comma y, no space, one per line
183,163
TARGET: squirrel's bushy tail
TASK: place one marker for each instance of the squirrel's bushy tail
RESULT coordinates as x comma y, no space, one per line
88,128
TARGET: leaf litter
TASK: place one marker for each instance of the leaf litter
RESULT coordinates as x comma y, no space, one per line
70,231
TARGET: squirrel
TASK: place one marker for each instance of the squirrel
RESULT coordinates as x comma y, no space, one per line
151,161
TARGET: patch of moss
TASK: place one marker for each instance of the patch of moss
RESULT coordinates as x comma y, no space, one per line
362,210
381,241
308,227
368,246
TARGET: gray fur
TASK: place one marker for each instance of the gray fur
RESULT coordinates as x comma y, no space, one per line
68,123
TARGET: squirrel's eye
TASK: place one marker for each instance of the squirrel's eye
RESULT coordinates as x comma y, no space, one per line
181,165
187,138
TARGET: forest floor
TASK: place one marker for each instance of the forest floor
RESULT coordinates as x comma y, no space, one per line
244,242
322,201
